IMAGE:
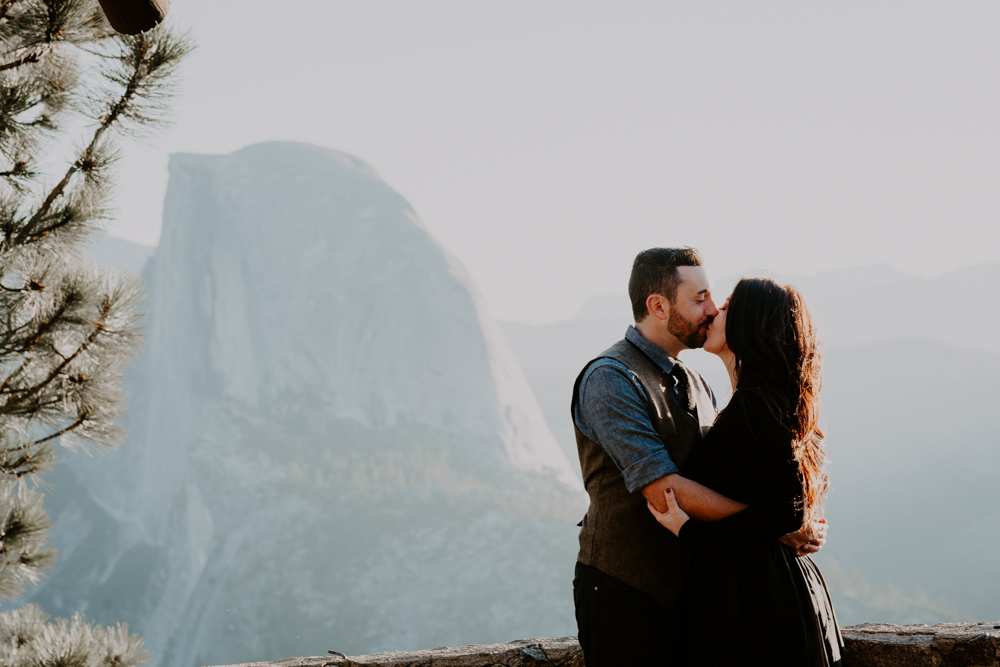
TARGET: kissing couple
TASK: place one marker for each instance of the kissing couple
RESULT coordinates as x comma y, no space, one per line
695,547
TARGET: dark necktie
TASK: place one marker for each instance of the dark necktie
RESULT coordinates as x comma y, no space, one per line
683,393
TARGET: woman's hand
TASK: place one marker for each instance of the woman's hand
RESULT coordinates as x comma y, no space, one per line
807,540
674,517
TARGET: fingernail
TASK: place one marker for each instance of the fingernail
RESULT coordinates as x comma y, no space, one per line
669,490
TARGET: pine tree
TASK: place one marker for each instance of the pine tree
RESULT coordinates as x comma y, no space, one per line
67,327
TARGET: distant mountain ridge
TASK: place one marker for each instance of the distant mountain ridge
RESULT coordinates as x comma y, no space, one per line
869,303
119,253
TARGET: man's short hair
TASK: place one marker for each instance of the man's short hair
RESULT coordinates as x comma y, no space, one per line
654,271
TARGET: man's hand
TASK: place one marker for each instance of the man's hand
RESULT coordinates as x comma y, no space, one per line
808,540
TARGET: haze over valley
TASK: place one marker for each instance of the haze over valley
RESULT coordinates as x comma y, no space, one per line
381,239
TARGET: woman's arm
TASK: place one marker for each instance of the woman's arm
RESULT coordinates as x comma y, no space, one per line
805,540
773,514
763,521
699,501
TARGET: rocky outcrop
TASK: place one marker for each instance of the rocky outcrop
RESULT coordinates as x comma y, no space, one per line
867,645
330,440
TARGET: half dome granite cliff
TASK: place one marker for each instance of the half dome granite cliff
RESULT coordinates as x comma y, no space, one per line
329,436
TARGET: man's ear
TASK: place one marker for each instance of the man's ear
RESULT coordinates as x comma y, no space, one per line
658,306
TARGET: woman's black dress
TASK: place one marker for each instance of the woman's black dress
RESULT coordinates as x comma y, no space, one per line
752,601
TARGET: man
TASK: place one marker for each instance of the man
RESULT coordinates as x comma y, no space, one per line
638,413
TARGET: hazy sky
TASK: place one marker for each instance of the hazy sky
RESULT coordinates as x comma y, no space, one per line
545,143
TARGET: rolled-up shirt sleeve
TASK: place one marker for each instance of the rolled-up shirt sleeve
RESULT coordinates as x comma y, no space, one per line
613,411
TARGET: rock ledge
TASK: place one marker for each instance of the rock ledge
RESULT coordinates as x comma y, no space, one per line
562,651
867,645
942,645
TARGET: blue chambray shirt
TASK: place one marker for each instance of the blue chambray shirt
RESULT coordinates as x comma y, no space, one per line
613,411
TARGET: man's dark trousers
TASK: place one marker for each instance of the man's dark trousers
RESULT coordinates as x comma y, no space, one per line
620,626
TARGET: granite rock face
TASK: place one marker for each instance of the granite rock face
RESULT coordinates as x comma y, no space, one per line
331,444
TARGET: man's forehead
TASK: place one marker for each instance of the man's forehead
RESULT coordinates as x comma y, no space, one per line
694,279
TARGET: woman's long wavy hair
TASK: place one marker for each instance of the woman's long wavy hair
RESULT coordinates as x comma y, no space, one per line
770,331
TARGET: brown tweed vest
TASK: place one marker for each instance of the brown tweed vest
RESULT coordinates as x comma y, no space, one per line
620,537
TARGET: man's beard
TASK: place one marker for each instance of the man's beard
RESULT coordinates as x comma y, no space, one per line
688,332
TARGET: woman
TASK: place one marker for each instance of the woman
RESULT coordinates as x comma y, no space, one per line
753,602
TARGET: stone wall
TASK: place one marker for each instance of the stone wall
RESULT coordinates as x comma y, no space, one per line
944,645
867,645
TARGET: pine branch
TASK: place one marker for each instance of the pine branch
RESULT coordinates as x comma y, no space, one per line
44,329
33,409
86,158
66,330
19,170
98,327
37,642
62,221
83,159
5,6
32,286
79,420
24,60
26,459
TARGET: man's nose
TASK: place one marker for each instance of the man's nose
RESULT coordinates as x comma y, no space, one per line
711,310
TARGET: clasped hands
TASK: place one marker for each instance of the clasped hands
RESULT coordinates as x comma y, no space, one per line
807,540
